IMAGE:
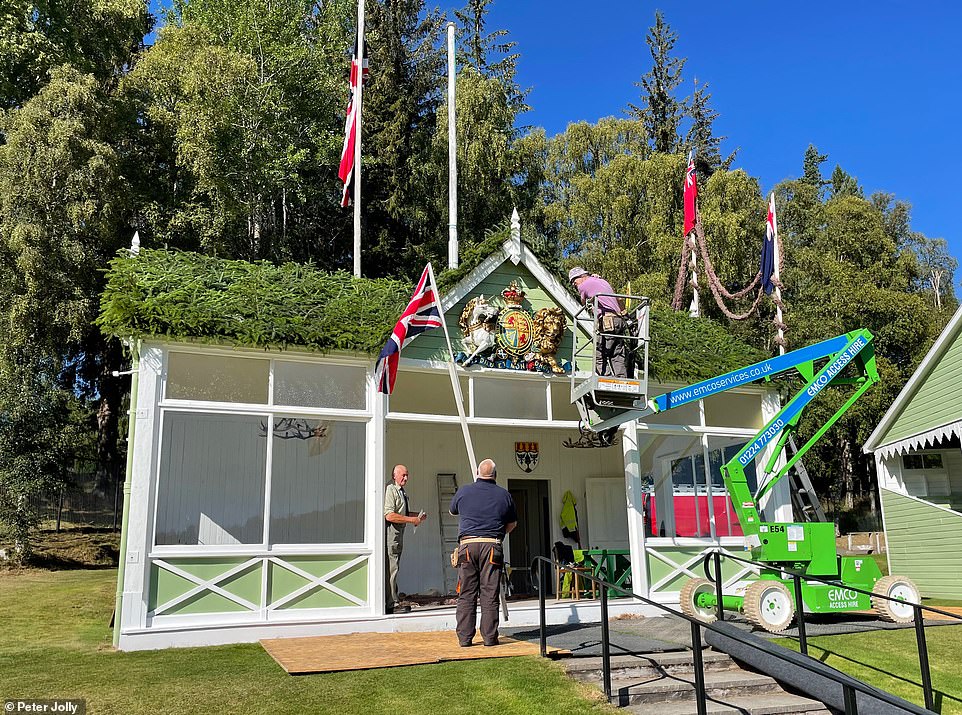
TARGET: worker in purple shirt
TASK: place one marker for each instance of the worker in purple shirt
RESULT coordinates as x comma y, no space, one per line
611,354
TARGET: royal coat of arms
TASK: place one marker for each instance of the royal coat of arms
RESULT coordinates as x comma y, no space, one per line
510,337
526,454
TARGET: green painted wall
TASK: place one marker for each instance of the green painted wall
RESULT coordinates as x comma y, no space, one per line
937,401
924,543
430,346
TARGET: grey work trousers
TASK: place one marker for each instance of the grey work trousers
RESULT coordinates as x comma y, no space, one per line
393,566
479,571
611,353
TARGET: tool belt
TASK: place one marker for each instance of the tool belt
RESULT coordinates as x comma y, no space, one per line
471,540
612,322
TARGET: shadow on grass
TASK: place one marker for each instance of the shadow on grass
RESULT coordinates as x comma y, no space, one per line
70,549
940,695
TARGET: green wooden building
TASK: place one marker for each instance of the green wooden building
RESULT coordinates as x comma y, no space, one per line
260,448
919,470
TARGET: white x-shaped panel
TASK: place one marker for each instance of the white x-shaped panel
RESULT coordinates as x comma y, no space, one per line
315,582
205,585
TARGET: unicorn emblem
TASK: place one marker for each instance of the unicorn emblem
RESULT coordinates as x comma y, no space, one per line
479,321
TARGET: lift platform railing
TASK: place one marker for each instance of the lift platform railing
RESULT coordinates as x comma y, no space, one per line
541,566
715,557
635,337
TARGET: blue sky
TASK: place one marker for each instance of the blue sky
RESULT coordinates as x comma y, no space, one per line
875,85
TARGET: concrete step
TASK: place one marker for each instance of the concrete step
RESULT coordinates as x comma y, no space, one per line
769,704
681,686
645,665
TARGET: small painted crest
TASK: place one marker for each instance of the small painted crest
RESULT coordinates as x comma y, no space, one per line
526,454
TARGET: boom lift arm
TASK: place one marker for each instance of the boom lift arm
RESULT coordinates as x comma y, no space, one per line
854,348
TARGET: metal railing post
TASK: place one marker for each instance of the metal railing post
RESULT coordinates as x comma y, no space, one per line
605,643
800,610
719,607
923,658
851,701
699,668
543,633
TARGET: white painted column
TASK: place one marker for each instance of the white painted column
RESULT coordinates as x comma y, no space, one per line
635,494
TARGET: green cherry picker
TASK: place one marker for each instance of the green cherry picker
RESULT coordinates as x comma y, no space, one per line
808,547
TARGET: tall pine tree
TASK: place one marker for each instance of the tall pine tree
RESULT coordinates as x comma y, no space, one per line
660,111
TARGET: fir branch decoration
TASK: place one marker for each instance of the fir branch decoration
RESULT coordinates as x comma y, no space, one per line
188,296
685,349
182,295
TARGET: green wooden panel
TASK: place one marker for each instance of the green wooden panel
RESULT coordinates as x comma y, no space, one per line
658,569
924,543
937,401
165,586
282,582
430,345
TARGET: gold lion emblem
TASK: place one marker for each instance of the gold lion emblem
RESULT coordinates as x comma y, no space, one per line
549,327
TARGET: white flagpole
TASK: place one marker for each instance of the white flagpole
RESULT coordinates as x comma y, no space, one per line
357,139
693,310
452,156
778,291
455,383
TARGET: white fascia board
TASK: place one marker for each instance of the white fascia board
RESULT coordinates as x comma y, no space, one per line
934,353
471,281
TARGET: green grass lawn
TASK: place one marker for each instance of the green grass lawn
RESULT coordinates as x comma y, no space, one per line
55,643
877,656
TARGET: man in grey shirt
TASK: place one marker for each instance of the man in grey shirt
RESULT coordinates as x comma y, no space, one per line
397,515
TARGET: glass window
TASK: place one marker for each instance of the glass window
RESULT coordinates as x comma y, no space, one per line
732,409
212,476
722,450
426,394
561,406
510,399
928,460
672,465
306,384
317,482
217,378
687,414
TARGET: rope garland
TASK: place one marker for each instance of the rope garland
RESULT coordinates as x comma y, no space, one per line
718,290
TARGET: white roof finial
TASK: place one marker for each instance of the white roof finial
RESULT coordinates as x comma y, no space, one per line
135,244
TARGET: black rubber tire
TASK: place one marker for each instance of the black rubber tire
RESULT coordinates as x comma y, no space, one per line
769,605
688,594
895,586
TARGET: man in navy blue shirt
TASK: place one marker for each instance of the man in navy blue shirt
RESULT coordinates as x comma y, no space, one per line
486,514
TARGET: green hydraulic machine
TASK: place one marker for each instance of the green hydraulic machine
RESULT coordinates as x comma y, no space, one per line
808,547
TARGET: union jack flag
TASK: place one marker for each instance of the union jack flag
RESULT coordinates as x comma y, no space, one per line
768,268
423,313
345,171
691,193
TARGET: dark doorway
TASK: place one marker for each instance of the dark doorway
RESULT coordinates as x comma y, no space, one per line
533,535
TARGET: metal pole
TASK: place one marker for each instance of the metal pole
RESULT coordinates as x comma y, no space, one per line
851,701
800,610
693,309
605,643
542,580
923,658
357,139
452,155
699,667
778,291
719,608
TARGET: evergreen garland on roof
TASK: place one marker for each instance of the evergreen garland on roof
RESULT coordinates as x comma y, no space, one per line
187,296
